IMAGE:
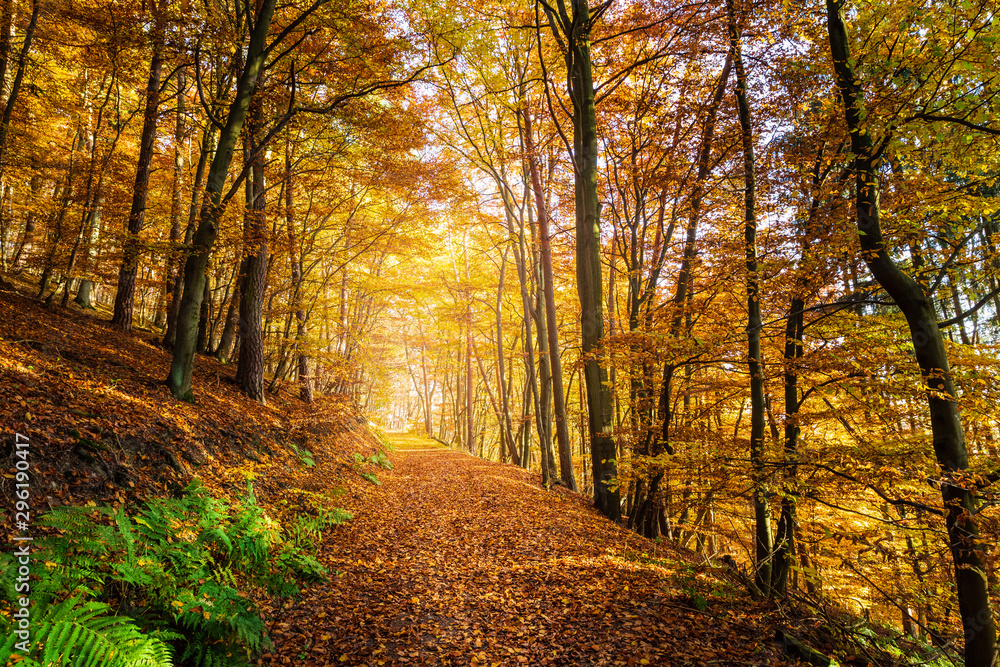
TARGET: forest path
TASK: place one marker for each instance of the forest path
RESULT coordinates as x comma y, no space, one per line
453,560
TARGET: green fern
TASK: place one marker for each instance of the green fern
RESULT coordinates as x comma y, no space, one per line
82,634
381,459
179,566
304,456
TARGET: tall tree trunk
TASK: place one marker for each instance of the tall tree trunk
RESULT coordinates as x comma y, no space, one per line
428,422
15,86
204,316
551,326
543,416
182,364
506,426
295,260
65,194
90,232
755,363
250,367
34,187
177,290
575,31
227,342
947,433
785,544
648,516
125,297
470,396
170,266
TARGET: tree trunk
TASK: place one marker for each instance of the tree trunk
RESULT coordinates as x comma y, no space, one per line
948,436
82,297
125,297
551,326
505,425
224,352
65,194
250,367
34,187
170,263
177,290
295,260
648,515
470,426
182,364
15,87
575,32
755,363
204,316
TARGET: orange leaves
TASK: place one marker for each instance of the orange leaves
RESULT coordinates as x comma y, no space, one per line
456,561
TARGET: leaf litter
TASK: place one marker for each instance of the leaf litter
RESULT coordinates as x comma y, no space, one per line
453,560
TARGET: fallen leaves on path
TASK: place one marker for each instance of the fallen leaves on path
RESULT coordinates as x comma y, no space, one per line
457,561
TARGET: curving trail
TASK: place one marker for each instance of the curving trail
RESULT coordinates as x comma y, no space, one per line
457,561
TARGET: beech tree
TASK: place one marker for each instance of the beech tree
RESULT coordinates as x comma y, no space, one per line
930,352
571,25
179,379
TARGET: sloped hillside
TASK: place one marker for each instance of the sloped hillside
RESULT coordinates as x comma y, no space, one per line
102,426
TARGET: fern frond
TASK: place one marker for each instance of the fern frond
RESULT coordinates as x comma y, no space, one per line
81,634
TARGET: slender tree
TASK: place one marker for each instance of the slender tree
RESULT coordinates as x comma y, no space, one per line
917,306
764,544
571,26
250,365
551,327
182,364
125,296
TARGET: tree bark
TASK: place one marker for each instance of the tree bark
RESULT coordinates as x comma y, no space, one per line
551,326
224,351
574,32
648,515
125,296
250,366
177,290
35,186
182,364
755,363
295,260
170,266
948,435
506,427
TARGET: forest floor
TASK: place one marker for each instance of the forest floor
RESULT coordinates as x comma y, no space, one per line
452,560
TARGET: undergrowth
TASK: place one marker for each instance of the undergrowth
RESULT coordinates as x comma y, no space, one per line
379,458
170,584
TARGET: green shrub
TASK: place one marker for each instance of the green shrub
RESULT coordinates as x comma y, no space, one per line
180,567
371,477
